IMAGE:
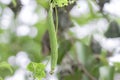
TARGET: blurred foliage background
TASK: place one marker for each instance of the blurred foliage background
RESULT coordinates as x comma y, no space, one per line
88,37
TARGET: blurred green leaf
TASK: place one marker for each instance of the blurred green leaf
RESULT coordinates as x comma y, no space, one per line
1,31
5,51
84,77
83,53
43,3
94,69
75,76
86,40
113,30
38,70
1,78
33,48
41,27
103,57
86,18
90,7
103,52
6,65
106,73
14,3
64,47
117,66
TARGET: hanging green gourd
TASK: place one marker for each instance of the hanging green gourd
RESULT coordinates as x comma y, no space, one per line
53,32
53,40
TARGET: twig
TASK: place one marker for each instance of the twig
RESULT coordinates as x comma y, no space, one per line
86,72
83,67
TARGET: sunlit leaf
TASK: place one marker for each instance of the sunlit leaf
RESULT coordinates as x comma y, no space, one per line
103,57
86,40
85,18
106,73
83,53
6,65
37,69
61,3
1,78
43,3
14,3
117,66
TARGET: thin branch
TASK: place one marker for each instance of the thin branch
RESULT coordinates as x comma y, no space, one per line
86,72
82,67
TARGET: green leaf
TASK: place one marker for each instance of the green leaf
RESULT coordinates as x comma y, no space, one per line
76,76
86,40
117,66
1,78
37,69
85,18
1,31
43,3
14,3
83,53
106,73
113,30
6,65
61,3
64,47
41,27
103,57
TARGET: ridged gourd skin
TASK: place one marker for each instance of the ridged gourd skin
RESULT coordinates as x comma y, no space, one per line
53,33
53,40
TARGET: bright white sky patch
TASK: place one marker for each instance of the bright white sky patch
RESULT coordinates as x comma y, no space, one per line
11,60
6,18
80,8
25,2
113,7
114,58
4,38
23,30
97,26
19,75
42,14
111,43
27,15
5,1
22,59
33,32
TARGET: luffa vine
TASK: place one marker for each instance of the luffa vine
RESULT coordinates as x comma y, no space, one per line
53,40
53,32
